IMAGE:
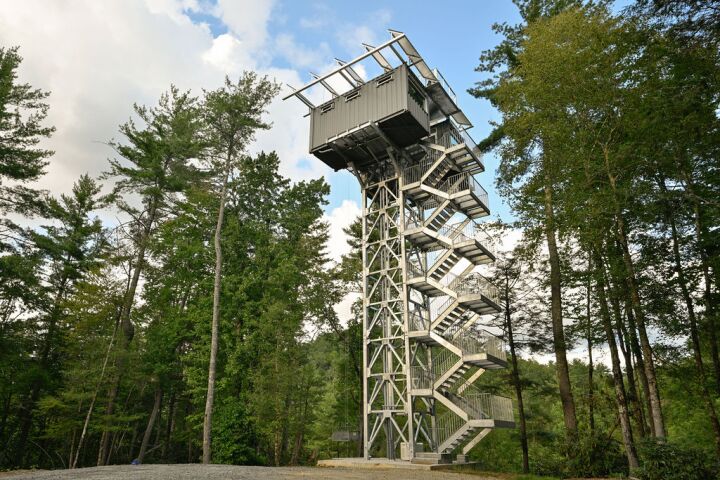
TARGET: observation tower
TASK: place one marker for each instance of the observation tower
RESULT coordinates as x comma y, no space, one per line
404,137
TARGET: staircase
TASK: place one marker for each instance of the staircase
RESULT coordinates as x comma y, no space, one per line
442,233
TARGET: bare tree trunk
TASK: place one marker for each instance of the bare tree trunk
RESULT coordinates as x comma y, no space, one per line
560,347
710,310
127,328
591,367
207,423
150,425
653,389
694,334
632,393
620,397
94,398
516,382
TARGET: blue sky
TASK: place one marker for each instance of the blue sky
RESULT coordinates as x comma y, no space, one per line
450,40
116,54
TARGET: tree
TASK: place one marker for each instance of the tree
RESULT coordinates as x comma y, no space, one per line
232,114
160,163
502,63
22,112
72,247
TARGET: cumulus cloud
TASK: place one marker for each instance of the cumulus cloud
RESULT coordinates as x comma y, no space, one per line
339,219
99,58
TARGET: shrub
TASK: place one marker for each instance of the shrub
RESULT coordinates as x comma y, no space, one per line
673,462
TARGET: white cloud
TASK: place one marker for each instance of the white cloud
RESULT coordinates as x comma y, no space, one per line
300,56
340,218
227,54
246,18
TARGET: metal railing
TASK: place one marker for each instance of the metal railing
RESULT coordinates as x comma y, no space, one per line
442,362
473,341
472,231
466,138
446,425
480,406
463,181
421,378
415,270
414,173
475,283
418,322
437,309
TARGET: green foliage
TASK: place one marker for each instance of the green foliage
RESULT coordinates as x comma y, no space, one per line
675,462
22,113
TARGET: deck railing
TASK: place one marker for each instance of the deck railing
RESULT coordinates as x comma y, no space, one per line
472,231
415,270
475,283
421,378
446,425
481,406
414,173
464,181
473,341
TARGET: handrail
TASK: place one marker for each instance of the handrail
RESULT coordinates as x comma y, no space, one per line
446,425
480,406
473,342
415,270
415,172
472,231
443,361
436,311
475,283
467,138
421,378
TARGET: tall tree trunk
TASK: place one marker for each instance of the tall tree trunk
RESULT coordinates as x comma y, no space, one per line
632,393
710,307
127,328
621,233
639,363
169,426
560,347
300,434
207,423
38,384
591,367
150,424
620,397
94,398
692,320
625,348
516,382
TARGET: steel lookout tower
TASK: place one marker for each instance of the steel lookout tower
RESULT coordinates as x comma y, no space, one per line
404,137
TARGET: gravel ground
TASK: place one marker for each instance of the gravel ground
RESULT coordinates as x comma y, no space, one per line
231,472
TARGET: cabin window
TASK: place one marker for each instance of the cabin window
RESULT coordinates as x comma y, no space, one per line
352,95
387,78
327,107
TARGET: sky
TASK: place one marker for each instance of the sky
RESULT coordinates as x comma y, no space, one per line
98,58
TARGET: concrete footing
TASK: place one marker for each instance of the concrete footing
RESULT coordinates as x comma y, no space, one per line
383,464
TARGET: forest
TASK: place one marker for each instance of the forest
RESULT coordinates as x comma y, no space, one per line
200,327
